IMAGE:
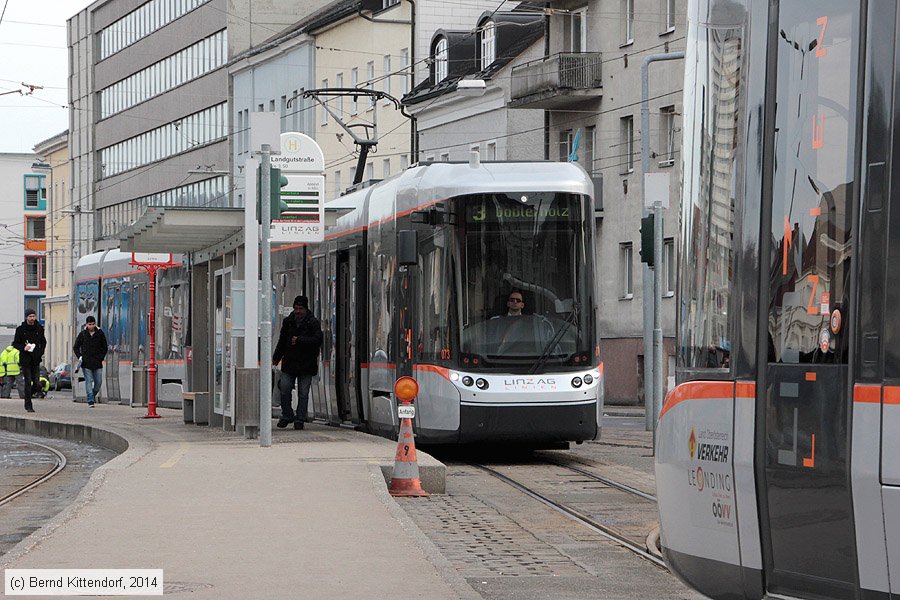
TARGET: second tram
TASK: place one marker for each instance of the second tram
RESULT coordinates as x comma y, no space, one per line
416,279
777,453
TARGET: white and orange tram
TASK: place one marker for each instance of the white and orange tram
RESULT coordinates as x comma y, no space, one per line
778,452
415,280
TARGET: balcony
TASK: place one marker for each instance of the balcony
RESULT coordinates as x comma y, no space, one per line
557,81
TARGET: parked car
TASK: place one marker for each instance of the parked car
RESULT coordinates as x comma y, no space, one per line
61,377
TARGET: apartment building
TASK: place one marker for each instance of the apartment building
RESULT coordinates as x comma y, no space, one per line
589,85
59,266
21,190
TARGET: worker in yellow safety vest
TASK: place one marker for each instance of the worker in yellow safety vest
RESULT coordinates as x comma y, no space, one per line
9,367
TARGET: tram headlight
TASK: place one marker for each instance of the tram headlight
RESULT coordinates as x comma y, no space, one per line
454,376
576,382
481,384
588,379
467,381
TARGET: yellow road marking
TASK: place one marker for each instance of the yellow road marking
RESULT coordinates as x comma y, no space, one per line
182,450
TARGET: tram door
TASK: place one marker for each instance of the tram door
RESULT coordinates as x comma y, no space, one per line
344,371
809,542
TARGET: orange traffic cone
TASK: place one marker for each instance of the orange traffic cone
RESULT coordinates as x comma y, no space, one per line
405,479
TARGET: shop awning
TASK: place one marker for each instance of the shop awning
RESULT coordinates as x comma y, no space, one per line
181,230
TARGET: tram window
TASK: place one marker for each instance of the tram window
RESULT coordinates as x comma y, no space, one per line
713,106
812,189
535,244
436,299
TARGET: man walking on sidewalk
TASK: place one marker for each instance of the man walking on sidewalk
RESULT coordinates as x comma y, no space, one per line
90,346
298,350
9,368
30,342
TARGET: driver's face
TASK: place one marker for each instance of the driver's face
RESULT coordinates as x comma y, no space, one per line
515,301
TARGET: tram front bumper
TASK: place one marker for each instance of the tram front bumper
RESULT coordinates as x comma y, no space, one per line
528,424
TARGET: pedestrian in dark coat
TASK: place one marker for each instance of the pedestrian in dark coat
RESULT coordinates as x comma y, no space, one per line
31,343
298,352
90,346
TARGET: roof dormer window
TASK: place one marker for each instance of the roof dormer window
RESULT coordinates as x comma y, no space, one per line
488,44
441,60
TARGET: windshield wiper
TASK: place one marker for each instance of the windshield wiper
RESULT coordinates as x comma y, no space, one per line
545,354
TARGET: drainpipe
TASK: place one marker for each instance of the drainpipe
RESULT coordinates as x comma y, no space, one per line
652,282
413,134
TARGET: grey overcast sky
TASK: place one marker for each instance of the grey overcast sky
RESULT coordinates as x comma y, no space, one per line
33,51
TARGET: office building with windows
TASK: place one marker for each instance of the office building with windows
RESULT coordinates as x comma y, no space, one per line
149,106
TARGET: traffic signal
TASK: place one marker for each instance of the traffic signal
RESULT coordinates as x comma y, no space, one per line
647,240
276,204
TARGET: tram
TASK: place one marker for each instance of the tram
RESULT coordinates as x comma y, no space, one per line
778,451
115,293
415,279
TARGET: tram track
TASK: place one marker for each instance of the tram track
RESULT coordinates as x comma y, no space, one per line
36,469
644,546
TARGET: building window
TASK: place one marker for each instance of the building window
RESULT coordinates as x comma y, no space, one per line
389,3
669,271
354,82
370,83
339,83
34,303
385,168
34,272
666,136
404,162
337,184
626,275
445,157
628,22
577,31
670,16
565,144
488,44
386,81
35,228
440,60
627,143
35,192
491,153
590,143
370,171
404,75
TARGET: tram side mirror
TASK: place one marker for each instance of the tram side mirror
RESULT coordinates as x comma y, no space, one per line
406,247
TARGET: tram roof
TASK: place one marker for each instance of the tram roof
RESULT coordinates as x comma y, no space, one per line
426,183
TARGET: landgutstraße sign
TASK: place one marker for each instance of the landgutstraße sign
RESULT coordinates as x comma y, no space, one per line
301,161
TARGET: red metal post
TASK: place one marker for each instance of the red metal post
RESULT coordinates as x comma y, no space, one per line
151,268
151,370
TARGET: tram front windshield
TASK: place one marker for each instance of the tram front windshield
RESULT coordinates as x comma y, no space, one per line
526,281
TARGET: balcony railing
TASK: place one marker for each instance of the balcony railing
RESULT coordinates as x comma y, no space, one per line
552,79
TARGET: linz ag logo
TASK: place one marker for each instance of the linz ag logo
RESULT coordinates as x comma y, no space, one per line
529,382
692,443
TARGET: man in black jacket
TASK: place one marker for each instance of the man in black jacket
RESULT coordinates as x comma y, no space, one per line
298,351
31,343
90,346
